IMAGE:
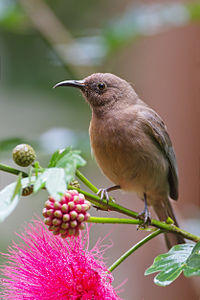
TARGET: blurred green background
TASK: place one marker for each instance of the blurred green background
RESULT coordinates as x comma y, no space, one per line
154,45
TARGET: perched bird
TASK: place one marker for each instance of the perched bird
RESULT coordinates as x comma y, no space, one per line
131,144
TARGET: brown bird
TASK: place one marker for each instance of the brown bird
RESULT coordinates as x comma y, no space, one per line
131,144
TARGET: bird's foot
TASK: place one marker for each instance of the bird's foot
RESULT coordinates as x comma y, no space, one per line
145,216
103,193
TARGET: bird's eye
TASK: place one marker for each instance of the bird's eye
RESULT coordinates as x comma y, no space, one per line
101,86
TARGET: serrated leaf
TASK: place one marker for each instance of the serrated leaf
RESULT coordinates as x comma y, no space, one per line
54,181
171,264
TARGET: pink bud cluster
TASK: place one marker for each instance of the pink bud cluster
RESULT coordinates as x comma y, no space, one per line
66,217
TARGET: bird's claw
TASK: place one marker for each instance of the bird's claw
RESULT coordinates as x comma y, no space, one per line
103,194
145,216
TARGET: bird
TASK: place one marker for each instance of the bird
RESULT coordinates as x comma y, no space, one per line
131,145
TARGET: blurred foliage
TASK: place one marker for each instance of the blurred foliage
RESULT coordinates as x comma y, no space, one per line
7,145
194,10
33,64
92,45
48,142
12,16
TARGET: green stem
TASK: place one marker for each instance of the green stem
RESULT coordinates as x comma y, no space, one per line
111,205
163,226
172,228
93,188
102,204
114,220
11,170
133,249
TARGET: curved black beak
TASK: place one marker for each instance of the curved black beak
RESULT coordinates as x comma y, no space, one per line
74,83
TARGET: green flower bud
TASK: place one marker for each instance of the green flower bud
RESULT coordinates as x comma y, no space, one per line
23,155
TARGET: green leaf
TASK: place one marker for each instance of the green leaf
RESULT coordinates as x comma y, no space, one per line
54,181
9,198
71,157
69,160
171,264
64,152
61,158
61,170
193,262
56,184
57,155
54,158
40,182
10,195
18,187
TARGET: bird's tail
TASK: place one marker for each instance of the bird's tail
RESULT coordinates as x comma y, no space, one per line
163,211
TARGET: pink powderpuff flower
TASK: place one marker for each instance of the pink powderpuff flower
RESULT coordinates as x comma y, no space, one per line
42,266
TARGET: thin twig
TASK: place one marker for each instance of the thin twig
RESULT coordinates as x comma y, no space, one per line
133,249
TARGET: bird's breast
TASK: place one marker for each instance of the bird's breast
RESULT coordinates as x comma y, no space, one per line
126,155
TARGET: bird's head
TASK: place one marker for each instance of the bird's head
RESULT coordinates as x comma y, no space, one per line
102,90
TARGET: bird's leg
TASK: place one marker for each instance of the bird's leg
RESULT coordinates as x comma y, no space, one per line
145,214
104,192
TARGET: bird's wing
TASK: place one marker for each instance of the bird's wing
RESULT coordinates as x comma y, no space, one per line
157,130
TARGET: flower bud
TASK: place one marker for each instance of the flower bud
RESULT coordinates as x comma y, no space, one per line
66,217
23,155
28,190
75,184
